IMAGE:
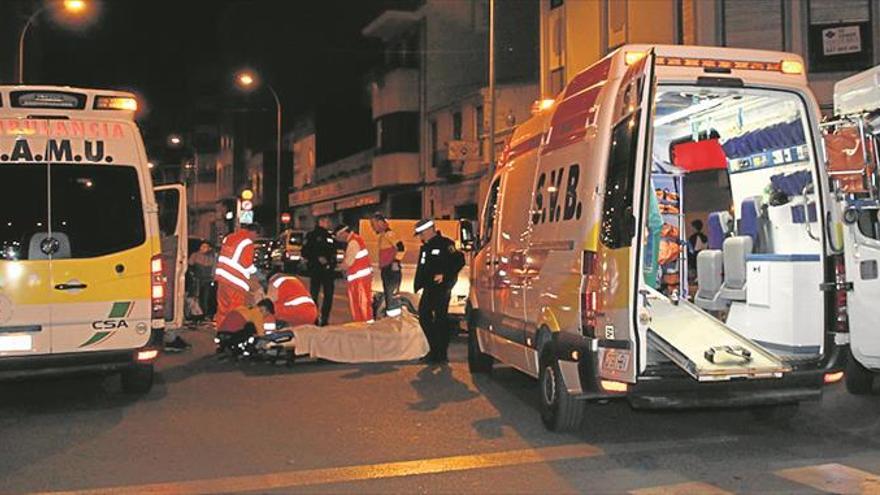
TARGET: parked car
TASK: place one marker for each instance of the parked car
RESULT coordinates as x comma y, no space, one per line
268,255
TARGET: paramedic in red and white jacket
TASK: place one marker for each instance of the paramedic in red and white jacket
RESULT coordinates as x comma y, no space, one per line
293,304
235,271
359,273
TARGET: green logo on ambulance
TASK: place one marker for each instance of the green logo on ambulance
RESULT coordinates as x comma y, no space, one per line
115,320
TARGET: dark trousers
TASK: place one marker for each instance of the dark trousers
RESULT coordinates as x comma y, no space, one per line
434,319
323,281
390,286
205,294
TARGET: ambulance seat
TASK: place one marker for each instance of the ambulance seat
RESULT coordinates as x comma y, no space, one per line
755,224
710,263
719,228
36,253
735,251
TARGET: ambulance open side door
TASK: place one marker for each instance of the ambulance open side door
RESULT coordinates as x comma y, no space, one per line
621,337
171,200
862,257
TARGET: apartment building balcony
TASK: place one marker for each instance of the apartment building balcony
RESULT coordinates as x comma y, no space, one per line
446,167
391,24
350,175
394,88
396,169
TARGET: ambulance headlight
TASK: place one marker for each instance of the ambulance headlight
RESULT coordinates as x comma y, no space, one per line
116,103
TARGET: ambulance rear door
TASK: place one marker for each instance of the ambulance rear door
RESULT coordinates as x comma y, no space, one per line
99,237
862,253
622,337
171,200
25,312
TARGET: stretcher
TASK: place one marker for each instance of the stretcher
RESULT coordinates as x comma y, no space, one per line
386,340
703,346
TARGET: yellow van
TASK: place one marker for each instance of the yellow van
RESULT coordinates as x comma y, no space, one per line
82,285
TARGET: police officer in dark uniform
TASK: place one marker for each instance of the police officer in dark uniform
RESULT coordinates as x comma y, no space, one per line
319,251
436,274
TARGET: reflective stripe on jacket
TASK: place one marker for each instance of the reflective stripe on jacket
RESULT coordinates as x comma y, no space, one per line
235,264
360,266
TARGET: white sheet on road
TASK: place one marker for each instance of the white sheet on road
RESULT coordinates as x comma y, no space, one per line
388,339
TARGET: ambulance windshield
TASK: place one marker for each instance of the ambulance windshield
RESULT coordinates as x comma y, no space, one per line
95,210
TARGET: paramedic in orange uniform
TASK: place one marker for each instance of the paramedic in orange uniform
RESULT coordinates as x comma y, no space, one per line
359,273
235,271
293,304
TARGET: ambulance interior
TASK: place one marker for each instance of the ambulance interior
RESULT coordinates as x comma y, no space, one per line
731,230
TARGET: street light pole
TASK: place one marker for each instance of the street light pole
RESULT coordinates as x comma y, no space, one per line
248,80
21,37
491,89
72,6
277,159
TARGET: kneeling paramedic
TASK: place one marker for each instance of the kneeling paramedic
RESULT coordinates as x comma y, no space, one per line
436,274
235,272
293,305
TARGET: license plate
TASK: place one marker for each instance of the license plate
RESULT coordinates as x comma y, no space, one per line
615,361
16,343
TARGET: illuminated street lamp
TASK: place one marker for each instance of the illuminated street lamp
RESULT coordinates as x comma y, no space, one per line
248,81
75,7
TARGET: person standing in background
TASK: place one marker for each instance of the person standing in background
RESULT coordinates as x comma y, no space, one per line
319,251
436,274
391,251
359,273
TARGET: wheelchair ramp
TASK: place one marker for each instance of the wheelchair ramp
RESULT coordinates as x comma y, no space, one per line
704,347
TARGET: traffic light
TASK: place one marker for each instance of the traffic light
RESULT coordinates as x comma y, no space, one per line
245,207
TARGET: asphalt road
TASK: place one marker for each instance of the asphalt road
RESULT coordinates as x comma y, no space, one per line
319,427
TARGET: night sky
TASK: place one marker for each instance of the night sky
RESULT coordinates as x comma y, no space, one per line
173,51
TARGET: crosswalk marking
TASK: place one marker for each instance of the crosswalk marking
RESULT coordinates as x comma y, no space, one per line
691,488
834,478
310,477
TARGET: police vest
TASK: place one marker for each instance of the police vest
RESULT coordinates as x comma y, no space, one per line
235,265
361,266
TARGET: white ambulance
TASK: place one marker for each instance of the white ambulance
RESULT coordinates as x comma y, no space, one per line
851,142
82,284
676,249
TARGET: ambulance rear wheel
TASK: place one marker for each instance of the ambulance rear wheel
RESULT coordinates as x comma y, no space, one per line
560,411
859,380
138,379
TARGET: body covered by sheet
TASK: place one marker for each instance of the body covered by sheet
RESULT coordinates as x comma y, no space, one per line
388,339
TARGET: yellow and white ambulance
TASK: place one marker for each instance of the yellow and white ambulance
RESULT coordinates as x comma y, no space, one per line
82,285
677,249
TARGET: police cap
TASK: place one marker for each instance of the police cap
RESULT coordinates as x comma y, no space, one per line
423,225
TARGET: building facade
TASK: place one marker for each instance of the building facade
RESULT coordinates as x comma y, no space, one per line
429,101
835,37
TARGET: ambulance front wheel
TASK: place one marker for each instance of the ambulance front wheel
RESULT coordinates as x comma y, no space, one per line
560,411
138,379
859,380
